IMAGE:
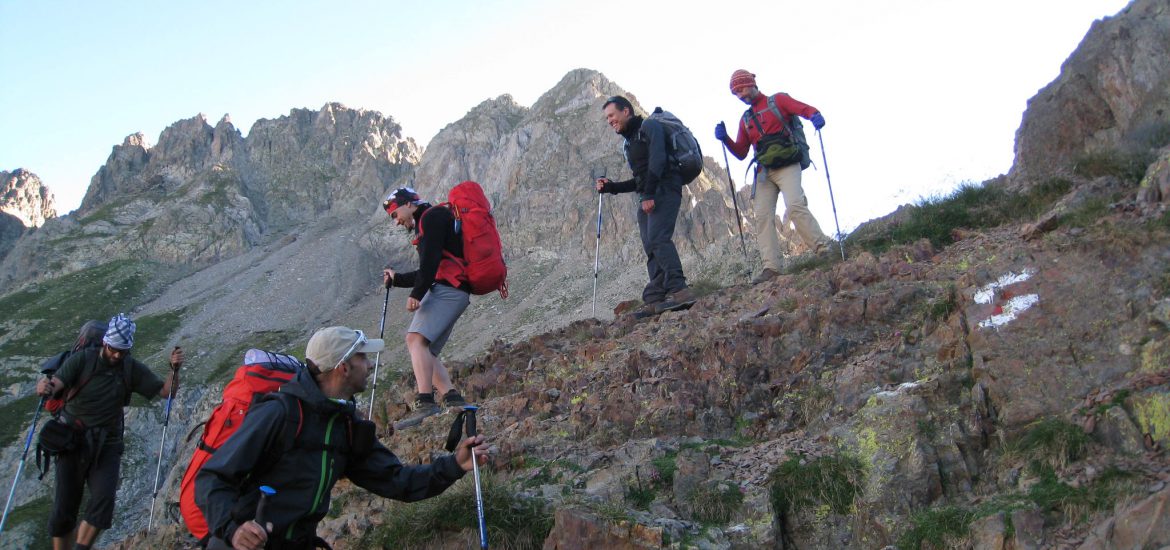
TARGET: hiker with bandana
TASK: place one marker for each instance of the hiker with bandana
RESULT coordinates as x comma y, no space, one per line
97,384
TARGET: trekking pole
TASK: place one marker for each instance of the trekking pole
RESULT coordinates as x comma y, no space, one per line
825,161
162,443
597,249
738,220
471,432
20,466
261,519
378,356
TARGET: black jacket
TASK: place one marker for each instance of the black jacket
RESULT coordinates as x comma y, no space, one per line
437,234
227,487
646,154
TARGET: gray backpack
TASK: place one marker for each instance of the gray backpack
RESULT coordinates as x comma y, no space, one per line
682,147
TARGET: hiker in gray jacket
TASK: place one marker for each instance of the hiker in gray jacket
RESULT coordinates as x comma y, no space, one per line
659,188
301,441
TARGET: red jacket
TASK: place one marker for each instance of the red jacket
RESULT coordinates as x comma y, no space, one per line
749,135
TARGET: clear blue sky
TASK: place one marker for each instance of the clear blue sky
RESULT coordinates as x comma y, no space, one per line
919,95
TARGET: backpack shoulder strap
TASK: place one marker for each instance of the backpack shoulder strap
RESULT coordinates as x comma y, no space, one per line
294,420
127,372
289,431
87,371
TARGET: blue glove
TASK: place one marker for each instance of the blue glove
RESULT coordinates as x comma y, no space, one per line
818,121
721,132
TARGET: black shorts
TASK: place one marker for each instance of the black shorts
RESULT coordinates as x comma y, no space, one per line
76,471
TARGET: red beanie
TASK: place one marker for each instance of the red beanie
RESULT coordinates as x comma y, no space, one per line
742,78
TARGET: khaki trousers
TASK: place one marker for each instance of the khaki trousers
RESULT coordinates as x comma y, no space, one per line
785,181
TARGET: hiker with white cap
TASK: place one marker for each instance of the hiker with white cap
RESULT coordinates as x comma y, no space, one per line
304,438
98,384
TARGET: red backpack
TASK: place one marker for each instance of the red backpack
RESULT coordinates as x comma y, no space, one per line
263,372
483,255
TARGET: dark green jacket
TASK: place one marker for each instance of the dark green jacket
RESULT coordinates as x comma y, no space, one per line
101,399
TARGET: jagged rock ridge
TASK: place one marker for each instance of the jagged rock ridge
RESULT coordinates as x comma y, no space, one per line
1113,94
24,196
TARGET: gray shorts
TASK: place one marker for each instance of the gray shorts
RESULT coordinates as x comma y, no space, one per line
440,308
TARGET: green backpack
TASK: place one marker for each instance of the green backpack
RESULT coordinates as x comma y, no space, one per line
782,148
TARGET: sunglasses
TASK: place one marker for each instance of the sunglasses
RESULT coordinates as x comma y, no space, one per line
361,341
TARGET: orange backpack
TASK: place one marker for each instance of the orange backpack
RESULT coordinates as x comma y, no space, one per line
482,264
263,372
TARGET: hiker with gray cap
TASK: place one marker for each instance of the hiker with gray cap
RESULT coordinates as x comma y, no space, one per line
97,383
304,438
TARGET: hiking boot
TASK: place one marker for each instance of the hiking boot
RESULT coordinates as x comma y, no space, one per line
646,310
677,300
766,275
453,399
422,409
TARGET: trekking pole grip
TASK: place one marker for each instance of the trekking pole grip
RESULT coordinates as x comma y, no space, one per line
470,422
262,506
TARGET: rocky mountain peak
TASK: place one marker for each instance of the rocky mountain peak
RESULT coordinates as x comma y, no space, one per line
24,196
1112,96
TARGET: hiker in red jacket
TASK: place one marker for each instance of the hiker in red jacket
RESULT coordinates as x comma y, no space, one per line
769,120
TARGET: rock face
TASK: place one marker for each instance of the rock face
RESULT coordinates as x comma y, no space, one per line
1113,94
24,203
23,196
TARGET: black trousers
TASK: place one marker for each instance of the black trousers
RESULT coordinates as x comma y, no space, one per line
663,266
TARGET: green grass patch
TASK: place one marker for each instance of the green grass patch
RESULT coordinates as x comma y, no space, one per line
943,527
1087,213
810,262
1127,166
154,330
640,494
548,472
970,206
704,287
1050,441
800,483
665,467
941,307
716,503
937,526
36,512
1078,503
52,311
19,413
932,218
513,521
